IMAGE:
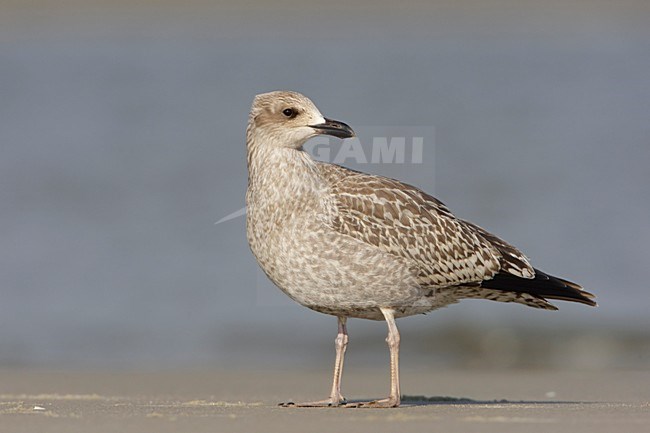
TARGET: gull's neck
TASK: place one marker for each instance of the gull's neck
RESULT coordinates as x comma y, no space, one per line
280,168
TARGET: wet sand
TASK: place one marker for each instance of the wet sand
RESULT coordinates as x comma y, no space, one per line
246,400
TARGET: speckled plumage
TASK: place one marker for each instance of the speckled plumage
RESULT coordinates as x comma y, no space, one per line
352,244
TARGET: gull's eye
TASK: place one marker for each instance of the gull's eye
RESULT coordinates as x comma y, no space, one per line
289,112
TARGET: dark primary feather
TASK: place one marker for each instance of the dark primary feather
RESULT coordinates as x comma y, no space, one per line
542,286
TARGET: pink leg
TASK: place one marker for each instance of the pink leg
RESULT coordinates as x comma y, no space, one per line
393,340
336,398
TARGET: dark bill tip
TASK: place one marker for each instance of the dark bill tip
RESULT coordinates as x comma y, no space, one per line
334,128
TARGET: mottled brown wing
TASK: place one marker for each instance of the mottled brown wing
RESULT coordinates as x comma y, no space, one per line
512,260
404,221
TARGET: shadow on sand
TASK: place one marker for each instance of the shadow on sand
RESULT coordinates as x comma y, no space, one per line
421,400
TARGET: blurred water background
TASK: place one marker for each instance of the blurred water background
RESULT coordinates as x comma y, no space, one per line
122,142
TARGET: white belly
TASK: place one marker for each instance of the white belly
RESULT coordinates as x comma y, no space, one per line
334,273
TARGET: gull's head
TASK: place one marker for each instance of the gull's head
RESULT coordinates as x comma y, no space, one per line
289,119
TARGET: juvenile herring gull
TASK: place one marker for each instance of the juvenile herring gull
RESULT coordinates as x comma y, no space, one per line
352,244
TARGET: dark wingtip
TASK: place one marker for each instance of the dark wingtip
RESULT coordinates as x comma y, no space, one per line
542,286
586,297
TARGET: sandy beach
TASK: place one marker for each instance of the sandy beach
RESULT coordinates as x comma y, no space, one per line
241,400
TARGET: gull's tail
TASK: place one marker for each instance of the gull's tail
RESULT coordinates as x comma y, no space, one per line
543,286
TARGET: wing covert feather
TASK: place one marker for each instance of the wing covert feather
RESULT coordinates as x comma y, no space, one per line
402,220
